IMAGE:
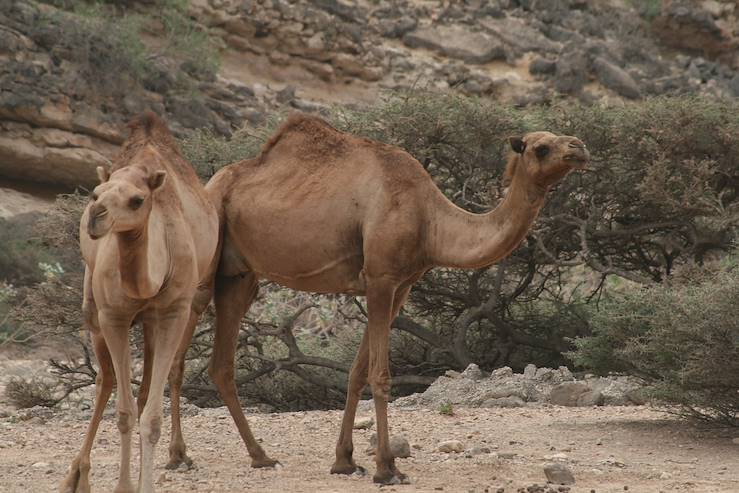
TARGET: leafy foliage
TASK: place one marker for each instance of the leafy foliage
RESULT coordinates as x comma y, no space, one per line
682,337
107,45
658,200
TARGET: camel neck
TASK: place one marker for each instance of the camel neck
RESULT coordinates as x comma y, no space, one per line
139,263
461,239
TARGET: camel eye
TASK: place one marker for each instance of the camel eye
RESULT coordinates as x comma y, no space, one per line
135,202
93,197
541,151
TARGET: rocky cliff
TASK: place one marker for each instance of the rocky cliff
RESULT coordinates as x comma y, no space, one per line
59,118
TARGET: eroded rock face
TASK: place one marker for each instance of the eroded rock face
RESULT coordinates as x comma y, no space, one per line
57,122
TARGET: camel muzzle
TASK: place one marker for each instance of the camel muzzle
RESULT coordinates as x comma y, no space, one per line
93,223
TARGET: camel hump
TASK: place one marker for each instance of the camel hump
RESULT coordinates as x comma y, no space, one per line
149,125
304,124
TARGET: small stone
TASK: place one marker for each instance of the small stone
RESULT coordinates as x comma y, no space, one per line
507,455
474,451
450,446
529,371
665,475
735,441
473,372
559,473
363,423
162,478
40,465
556,457
399,446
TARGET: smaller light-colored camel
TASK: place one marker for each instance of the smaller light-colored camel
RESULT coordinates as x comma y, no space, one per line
324,211
148,238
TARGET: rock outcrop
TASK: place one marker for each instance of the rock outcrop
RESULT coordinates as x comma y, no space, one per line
58,122
504,388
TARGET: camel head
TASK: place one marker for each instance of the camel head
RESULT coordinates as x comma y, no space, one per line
545,158
123,200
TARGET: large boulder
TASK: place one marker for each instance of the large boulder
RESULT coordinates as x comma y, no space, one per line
615,78
456,41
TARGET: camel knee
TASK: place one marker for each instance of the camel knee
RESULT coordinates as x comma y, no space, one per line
380,385
356,385
151,429
126,422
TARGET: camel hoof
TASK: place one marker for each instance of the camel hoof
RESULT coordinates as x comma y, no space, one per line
348,469
391,479
176,463
266,462
76,481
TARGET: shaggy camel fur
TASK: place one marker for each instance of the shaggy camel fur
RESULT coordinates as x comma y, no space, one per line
323,211
148,237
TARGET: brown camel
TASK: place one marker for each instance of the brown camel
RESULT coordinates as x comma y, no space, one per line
148,237
323,211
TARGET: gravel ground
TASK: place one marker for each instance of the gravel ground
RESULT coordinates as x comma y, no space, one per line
608,449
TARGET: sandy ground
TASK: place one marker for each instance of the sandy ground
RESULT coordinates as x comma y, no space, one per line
608,449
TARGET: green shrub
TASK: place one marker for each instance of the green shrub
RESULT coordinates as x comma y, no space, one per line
681,337
107,45
26,393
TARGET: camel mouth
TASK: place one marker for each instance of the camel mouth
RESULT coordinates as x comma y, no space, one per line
579,161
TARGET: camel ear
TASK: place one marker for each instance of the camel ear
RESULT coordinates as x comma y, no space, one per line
156,179
517,144
103,174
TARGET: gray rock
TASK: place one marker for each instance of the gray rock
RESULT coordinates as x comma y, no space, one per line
456,42
450,446
512,401
542,66
567,393
399,446
363,423
475,451
529,371
590,398
615,78
559,473
571,73
473,372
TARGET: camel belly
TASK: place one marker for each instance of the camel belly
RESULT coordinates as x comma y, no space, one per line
299,256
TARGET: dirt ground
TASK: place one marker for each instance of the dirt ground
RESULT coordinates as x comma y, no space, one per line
608,449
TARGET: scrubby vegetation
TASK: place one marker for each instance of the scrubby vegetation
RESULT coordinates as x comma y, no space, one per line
659,198
681,336
106,42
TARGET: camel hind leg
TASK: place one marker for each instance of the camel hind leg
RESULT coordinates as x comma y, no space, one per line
233,296
78,477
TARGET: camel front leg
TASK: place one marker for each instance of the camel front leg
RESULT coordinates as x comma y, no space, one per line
177,447
380,298
78,478
168,326
114,327
344,463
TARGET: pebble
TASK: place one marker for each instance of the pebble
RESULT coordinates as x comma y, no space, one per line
40,465
559,473
556,457
450,446
472,452
735,441
363,423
